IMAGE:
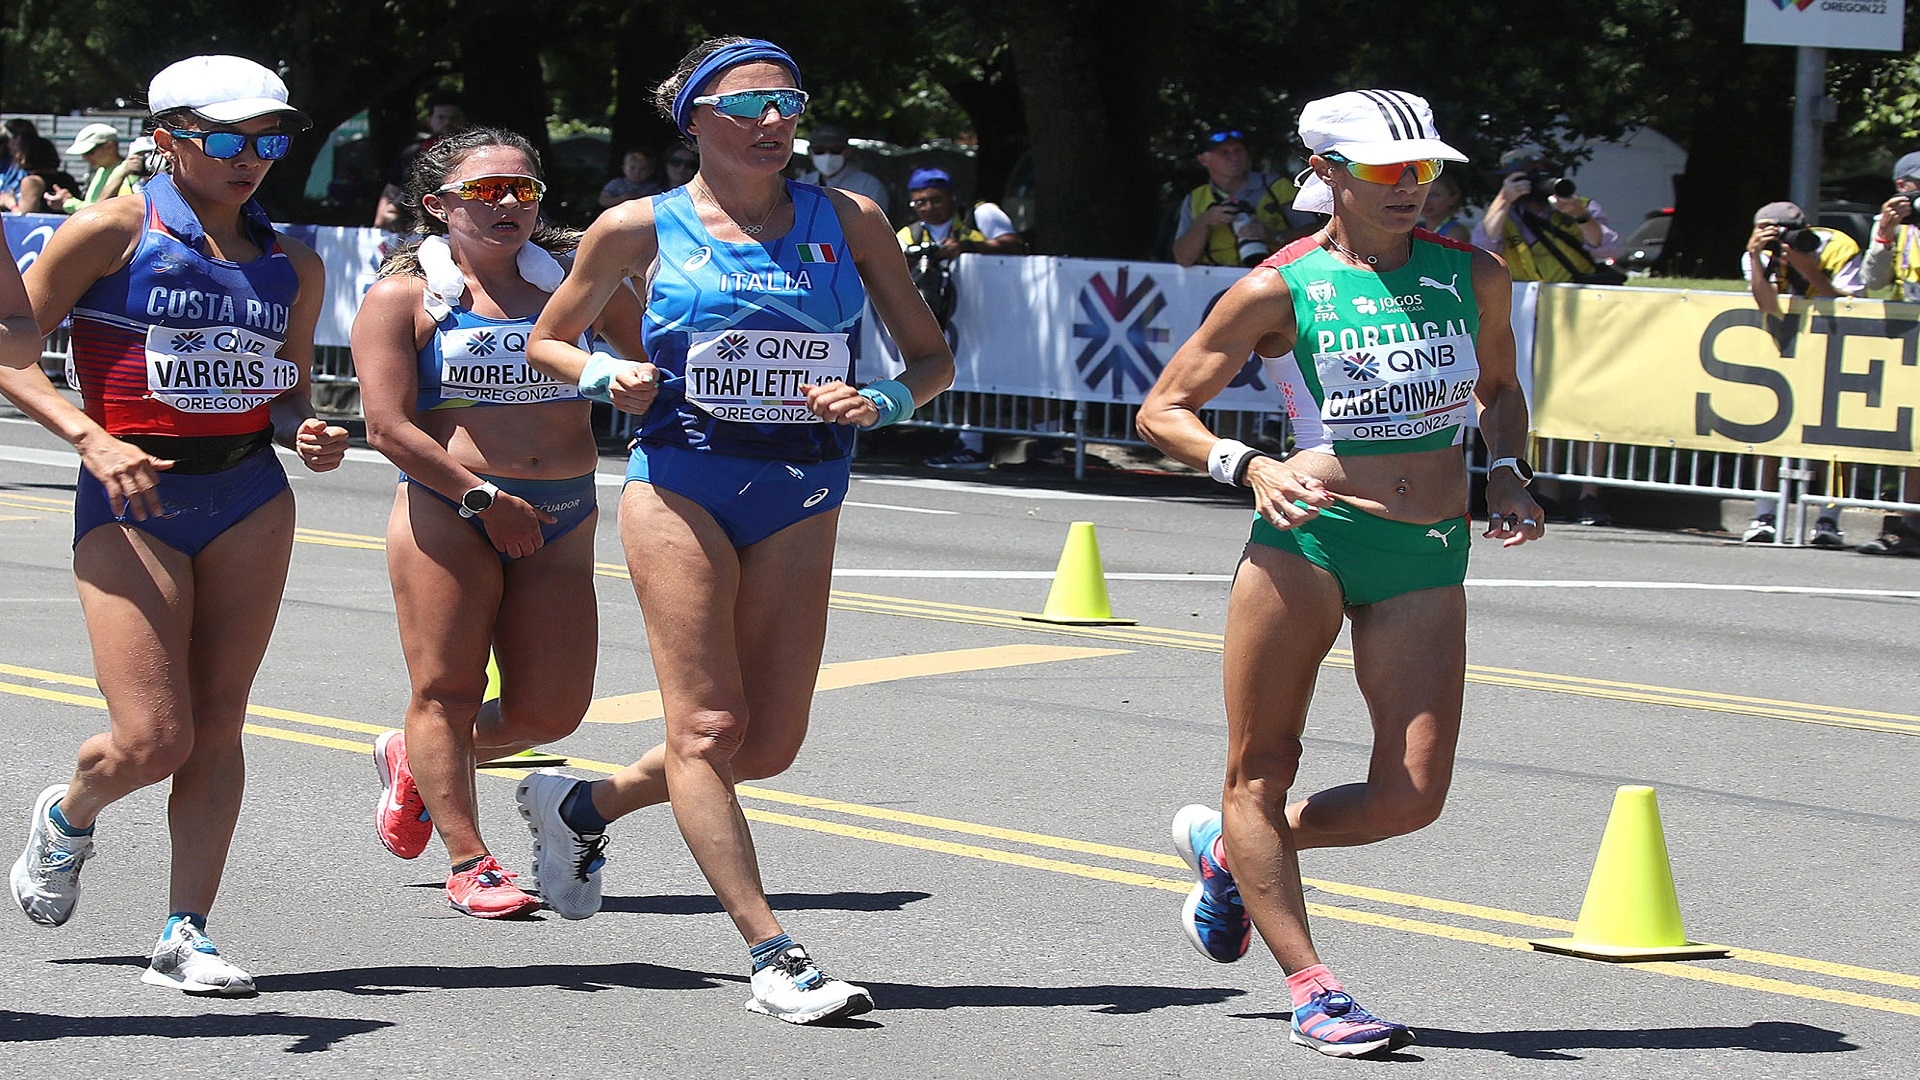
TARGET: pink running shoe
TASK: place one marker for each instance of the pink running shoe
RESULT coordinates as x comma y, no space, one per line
401,818
487,892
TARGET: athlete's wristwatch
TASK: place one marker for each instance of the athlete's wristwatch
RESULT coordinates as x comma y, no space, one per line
1519,466
478,499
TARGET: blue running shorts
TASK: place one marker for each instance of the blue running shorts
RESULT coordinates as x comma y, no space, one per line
751,498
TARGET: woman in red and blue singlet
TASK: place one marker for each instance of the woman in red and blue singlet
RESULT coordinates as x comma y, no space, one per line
490,543
754,292
1385,342
193,331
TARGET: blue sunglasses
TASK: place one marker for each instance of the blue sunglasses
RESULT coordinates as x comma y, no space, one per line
753,104
1215,138
228,144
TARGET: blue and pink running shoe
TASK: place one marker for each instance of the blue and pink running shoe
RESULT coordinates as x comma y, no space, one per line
1338,1026
1214,919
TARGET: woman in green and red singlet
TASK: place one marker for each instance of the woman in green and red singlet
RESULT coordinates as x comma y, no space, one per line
1386,342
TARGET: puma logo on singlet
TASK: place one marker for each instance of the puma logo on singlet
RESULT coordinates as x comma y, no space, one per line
1452,285
1442,536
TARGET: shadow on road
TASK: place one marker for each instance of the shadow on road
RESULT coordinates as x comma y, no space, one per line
311,1033
707,905
1767,1036
1117,1000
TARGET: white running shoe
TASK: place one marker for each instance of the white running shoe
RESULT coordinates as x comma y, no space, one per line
794,989
46,876
566,864
186,960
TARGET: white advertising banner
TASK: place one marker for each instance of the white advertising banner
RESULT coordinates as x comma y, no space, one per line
1091,330
1834,24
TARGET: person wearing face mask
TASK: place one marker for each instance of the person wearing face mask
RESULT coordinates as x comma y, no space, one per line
828,151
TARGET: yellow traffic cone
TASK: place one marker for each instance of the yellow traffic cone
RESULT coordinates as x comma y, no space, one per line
525,759
1631,911
1079,593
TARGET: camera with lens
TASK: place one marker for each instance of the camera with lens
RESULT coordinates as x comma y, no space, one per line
1545,183
1252,250
1798,237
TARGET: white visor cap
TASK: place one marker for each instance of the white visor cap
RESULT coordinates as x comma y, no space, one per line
223,89
1372,127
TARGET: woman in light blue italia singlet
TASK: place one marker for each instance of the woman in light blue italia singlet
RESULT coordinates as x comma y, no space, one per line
490,541
193,324
1385,342
754,289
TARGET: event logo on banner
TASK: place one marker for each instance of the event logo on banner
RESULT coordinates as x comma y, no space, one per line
1120,333
1834,24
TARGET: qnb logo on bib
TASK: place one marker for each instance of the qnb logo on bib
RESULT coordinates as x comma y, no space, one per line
756,376
1398,390
489,363
216,369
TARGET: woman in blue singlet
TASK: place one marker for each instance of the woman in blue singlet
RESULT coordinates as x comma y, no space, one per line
490,544
1386,343
754,291
193,341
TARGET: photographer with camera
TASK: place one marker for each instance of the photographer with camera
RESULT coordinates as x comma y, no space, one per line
1238,217
1893,259
1787,256
1544,229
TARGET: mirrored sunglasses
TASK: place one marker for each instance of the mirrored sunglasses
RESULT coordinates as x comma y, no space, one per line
1215,138
493,189
228,144
753,104
1425,170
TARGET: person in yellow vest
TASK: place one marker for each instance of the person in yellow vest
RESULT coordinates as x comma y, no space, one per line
1892,265
1542,233
99,146
1238,217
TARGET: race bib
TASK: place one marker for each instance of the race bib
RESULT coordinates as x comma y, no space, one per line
755,376
489,364
216,369
1400,390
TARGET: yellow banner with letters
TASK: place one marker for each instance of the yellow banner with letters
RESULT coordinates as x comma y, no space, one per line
1833,380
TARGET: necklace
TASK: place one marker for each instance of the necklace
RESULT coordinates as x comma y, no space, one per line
1370,260
750,230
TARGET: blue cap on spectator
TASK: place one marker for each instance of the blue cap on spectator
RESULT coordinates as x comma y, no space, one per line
1908,167
926,178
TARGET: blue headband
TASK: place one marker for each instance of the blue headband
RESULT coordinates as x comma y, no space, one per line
720,59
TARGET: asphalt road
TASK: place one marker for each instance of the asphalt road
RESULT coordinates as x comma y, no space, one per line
977,829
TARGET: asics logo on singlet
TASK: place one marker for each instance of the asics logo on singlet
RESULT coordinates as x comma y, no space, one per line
1442,536
815,498
1362,366
701,256
733,347
481,343
1452,285
190,342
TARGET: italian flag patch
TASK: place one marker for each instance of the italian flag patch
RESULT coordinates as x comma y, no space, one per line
817,253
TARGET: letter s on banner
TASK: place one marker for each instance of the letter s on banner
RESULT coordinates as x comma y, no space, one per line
1708,422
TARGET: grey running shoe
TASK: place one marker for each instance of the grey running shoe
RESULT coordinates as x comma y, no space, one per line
1894,539
1759,531
46,876
566,864
794,989
185,959
1826,534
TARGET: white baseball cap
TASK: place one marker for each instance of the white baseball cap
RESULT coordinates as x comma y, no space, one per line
91,137
223,89
1372,127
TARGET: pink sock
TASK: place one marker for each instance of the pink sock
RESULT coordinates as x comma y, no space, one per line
1220,853
1306,982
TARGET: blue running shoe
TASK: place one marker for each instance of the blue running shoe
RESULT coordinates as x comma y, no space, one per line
1214,919
1338,1026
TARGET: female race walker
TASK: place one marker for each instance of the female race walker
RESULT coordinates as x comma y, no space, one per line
1384,341
193,338
755,287
490,545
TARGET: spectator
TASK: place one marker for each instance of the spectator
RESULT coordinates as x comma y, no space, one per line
1787,257
1893,259
99,146
1441,214
1546,232
827,146
11,171
1238,217
446,114
634,182
986,230
44,174
682,163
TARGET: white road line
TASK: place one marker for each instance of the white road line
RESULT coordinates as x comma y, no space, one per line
1489,583
902,509
1029,493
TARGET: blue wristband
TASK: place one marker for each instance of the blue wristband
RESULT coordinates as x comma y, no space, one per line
596,379
893,399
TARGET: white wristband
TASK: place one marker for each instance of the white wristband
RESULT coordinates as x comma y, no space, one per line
1227,461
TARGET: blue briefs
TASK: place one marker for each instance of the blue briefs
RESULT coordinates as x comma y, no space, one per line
196,507
751,498
571,501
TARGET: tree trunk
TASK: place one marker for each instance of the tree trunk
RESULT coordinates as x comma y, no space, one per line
1737,160
650,41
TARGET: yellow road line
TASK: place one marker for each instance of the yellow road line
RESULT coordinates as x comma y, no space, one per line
1126,877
